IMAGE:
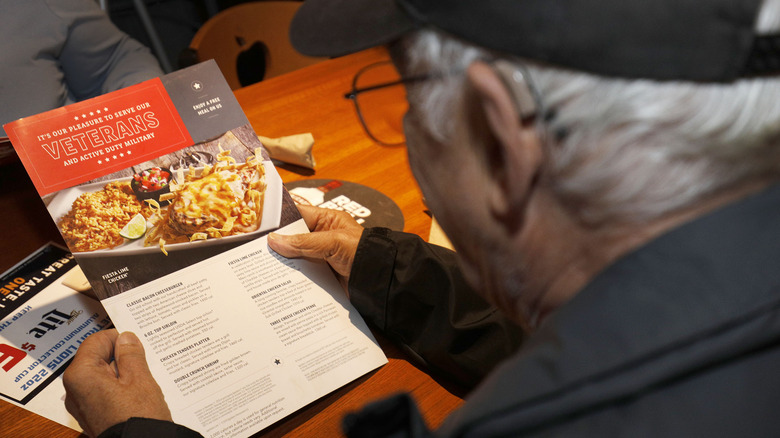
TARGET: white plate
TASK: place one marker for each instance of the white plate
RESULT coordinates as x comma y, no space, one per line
272,213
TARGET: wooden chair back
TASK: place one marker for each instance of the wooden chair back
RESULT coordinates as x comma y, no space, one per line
250,42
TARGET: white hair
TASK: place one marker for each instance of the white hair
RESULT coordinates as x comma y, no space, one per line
626,150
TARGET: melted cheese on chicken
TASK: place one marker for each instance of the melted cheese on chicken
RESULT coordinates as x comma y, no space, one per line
209,200
218,201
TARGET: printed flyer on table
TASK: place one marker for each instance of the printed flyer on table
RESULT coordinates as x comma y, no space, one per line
44,317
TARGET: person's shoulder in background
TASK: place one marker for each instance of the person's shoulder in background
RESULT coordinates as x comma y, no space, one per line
97,57
63,51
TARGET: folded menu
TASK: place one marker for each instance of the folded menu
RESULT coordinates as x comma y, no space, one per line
165,195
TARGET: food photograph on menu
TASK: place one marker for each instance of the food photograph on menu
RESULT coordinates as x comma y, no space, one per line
165,207
170,212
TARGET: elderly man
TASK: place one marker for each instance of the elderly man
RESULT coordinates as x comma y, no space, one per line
607,172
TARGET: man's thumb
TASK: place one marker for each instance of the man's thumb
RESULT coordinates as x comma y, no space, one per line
129,355
288,246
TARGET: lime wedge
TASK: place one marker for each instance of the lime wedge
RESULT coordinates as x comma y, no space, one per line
135,228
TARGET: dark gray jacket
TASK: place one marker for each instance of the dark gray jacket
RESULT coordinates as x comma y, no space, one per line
678,339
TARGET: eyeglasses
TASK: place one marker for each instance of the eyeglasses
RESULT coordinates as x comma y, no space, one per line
380,98
380,101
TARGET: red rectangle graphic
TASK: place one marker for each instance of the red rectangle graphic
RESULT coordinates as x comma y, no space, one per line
80,142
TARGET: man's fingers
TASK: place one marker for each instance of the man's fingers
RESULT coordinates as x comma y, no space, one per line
334,247
324,219
94,353
91,363
302,245
311,215
130,356
101,392
99,346
334,238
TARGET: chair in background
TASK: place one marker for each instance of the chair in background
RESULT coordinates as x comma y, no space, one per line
250,42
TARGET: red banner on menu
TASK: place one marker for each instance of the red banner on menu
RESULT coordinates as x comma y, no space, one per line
96,137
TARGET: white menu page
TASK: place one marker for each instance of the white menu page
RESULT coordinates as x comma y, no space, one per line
243,339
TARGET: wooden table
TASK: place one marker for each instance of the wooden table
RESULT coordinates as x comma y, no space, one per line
312,100
307,100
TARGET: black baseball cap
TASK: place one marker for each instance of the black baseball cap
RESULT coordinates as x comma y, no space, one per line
694,40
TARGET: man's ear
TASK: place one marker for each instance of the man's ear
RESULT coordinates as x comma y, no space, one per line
511,150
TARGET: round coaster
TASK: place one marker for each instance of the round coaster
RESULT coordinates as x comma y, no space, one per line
368,206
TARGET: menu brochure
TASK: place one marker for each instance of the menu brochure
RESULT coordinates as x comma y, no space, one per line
165,196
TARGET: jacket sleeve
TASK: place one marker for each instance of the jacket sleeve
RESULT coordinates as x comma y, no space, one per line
146,427
396,416
97,57
415,294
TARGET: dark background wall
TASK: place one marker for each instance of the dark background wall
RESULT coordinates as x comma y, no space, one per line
176,21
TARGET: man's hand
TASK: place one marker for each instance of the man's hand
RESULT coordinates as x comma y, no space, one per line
109,381
334,237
